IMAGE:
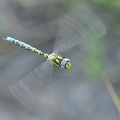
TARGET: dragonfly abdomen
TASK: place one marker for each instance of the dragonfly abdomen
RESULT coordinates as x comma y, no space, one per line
26,46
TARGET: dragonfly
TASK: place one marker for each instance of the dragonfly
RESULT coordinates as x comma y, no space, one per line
55,59
80,25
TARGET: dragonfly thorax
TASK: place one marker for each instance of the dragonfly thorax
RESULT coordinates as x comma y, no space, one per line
52,56
59,61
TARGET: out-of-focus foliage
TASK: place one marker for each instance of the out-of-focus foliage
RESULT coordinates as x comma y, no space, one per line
112,5
107,4
94,59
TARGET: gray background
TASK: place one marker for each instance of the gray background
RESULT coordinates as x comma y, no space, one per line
74,96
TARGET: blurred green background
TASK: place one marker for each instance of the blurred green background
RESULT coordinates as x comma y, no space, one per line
90,91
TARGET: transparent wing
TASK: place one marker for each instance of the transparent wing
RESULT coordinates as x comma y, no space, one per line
79,26
33,90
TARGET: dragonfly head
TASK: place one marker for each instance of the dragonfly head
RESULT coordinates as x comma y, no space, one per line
66,64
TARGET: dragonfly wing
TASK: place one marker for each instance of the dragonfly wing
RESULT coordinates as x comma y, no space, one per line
32,91
81,25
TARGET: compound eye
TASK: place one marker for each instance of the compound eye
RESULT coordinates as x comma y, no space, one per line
68,65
